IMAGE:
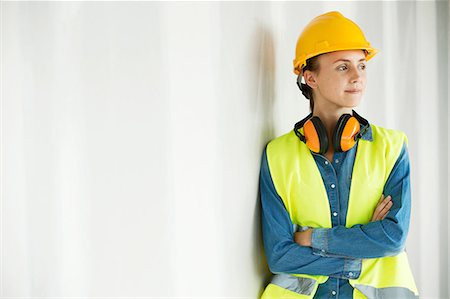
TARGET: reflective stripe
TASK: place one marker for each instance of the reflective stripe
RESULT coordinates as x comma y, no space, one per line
386,293
299,285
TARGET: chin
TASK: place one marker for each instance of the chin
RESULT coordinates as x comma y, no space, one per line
352,102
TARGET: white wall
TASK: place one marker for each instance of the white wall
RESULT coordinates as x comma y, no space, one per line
132,133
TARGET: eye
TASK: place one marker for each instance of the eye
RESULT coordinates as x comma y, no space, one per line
342,68
363,66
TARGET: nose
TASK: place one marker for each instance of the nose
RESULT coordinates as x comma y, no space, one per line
356,75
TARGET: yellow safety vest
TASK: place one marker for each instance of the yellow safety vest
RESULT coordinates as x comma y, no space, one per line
297,180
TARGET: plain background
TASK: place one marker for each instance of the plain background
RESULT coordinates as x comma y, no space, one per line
132,132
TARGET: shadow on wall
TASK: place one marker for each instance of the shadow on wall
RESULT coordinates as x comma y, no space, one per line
263,54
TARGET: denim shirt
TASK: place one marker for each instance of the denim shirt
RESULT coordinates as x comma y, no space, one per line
336,252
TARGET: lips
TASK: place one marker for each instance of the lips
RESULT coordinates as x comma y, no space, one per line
353,90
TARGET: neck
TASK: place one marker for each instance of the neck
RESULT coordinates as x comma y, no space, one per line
330,117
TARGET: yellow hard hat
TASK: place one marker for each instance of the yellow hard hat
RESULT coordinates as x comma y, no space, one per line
327,33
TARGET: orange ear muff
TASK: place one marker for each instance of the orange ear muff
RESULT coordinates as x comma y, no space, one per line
316,135
345,131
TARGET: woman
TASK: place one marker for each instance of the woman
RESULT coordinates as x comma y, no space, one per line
328,229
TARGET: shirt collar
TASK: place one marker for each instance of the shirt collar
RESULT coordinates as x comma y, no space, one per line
368,134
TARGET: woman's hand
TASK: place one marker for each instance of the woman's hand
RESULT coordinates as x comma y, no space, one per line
303,238
382,208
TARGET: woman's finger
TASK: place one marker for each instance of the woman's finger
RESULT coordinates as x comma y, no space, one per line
387,206
382,208
376,215
376,212
385,199
383,204
386,210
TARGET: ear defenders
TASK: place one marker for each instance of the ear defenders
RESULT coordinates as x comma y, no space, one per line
346,132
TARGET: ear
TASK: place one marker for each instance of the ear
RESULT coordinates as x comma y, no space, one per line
310,79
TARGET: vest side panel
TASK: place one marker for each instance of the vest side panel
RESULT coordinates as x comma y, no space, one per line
386,272
374,162
287,158
298,181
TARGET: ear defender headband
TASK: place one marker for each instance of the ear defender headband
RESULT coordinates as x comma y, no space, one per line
346,132
302,86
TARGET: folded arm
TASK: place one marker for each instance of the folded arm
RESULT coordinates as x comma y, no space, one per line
375,239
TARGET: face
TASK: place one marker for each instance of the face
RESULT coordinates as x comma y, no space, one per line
341,79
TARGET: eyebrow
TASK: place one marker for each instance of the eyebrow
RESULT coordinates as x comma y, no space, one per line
346,60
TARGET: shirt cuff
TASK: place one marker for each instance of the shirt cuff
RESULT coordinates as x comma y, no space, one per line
319,244
352,268
319,241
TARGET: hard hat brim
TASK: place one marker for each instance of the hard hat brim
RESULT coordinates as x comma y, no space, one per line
371,52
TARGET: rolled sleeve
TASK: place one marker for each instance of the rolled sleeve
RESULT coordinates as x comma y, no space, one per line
352,268
319,240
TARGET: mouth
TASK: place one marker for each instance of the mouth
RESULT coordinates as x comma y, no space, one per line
353,91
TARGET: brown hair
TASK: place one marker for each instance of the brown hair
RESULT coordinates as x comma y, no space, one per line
313,65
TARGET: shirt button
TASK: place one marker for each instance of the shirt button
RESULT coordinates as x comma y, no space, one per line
323,250
333,293
334,214
337,160
326,163
350,274
333,185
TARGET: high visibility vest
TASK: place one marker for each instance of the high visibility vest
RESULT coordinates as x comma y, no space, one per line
297,180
